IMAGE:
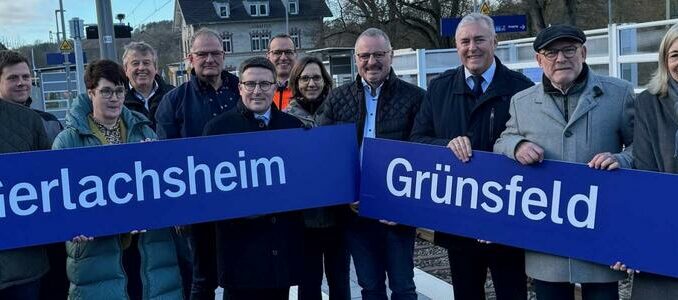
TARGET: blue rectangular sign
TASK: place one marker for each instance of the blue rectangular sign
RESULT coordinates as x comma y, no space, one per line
52,196
565,209
58,58
513,23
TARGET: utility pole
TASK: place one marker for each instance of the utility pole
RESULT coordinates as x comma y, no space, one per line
67,64
56,20
105,27
77,34
287,16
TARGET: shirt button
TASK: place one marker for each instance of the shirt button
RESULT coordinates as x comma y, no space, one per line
214,114
568,133
274,252
210,99
273,220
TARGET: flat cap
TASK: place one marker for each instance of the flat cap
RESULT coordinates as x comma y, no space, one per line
556,32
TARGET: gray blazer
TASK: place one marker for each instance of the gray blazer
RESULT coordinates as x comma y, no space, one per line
601,122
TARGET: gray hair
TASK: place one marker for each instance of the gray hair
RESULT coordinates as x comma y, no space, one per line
139,47
659,84
205,31
374,32
476,18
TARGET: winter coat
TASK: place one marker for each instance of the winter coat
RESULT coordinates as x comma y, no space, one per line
95,268
601,122
135,104
269,247
397,106
449,110
21,130
654,148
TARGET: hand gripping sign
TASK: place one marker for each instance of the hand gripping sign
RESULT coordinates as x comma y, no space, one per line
565,209
51,196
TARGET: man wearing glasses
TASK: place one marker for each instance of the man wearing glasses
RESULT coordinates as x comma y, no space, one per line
259,257
578,116
183,112
21,130
382,106
466,109
282,54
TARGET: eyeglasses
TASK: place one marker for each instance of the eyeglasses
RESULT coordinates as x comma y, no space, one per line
378,55
279,53
305,79
108,92
263,85
552,54
206,54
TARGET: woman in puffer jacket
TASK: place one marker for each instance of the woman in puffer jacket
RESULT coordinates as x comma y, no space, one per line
124,266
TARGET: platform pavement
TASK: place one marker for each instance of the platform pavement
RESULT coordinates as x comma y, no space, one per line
428,287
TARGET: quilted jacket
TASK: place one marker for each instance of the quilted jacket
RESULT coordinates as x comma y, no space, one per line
397,106
21,130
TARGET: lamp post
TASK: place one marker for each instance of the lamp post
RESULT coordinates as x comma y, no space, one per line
287,16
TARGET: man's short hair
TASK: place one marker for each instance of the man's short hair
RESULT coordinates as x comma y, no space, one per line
205,31
10,58
257,62
105,69
477,18
141,48
280,36
374,32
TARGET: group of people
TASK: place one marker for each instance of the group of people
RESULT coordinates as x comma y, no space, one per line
574,115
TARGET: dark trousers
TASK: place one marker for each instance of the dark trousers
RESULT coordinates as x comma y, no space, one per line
257,294
325,245
469,261
54,285
379,250
183,249
565,291
26,291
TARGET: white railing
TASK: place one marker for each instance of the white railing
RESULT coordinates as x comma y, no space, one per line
627,51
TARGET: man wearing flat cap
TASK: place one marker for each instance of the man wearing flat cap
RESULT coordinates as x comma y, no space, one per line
578,116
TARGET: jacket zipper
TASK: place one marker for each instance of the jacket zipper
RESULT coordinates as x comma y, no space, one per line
491,124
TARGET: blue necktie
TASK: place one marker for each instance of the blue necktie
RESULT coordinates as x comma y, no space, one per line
477,86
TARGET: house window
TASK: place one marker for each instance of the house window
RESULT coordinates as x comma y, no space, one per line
294,35
260,40
293,7
255,43
259,9
265,39
227,41
223,9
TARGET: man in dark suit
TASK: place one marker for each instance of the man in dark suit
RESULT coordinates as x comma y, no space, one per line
257,257
467,108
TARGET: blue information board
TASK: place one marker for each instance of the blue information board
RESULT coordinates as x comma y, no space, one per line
513,23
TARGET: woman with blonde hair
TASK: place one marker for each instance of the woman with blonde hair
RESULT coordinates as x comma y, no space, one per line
655,146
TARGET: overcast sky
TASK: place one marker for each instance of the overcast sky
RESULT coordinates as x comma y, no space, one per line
25,21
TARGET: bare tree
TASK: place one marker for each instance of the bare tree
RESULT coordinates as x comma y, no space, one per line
409,23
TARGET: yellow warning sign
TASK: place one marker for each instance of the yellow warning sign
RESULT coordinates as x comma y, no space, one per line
66,46
485,8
